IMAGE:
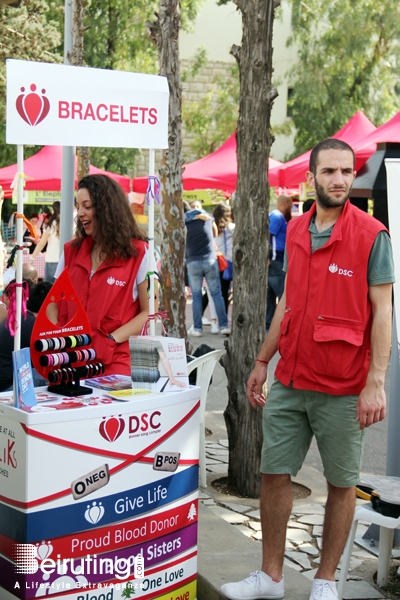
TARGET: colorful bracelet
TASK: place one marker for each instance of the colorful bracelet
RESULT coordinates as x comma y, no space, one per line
265,362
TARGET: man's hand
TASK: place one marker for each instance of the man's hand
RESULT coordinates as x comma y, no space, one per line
254,385
371,405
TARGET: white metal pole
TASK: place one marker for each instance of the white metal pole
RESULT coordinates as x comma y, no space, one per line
151,239
393,456
68,159
20,234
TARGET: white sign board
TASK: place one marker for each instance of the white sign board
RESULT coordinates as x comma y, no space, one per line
61,105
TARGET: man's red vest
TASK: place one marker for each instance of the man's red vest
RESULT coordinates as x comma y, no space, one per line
324,339
107,299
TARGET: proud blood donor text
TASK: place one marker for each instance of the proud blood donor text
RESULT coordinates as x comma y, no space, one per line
115,113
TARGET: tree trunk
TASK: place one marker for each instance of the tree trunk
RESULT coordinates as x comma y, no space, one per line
164,32
77,59
83,168
250,243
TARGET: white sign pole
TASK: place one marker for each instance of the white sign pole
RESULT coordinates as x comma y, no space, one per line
151,266
20,234
68,157
393,455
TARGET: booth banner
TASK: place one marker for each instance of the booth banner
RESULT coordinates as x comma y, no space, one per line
118,504
78,106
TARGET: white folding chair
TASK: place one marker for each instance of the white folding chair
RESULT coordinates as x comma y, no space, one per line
205,366
387,525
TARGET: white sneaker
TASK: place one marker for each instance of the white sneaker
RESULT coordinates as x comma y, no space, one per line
322,589
226,331
194,332
258,586
205,321
214,326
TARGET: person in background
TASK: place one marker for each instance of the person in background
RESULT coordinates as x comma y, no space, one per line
51,237
307,204
278,220
29,273
107,263
28,238
333,326
201,261
224,228
37,294
3,311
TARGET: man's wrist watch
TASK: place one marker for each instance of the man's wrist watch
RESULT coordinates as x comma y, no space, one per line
111,337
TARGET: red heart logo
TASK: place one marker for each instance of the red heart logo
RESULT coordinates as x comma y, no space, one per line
111,428
32,107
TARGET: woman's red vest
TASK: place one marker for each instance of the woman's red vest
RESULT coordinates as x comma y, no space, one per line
107,299
324,339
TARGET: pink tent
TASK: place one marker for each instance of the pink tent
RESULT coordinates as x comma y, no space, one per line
45,169
354,132
388,132
218,170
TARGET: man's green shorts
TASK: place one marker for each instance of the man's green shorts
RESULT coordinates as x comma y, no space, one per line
291,418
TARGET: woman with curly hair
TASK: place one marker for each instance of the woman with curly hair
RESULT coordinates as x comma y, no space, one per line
107,263
51,237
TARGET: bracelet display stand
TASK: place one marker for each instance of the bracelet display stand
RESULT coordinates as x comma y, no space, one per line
61,352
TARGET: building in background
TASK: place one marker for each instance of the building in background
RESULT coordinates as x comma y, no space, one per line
216,29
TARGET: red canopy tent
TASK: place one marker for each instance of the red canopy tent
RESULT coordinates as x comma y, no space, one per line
354,132
388,132
218,170
45,169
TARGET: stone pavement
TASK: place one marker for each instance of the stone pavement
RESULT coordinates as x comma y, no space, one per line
232,518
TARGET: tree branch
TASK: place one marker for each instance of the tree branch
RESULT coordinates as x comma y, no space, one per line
272,94
236,51
153,31
241,4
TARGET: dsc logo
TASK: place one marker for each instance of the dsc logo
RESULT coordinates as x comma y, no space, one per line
112,281
32,107
144,422
333,268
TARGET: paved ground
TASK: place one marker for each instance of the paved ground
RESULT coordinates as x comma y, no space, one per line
305,527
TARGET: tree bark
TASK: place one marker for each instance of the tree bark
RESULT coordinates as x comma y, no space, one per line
164,32
250,243
77,59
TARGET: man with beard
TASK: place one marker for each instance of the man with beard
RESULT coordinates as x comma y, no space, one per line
333,324
278,220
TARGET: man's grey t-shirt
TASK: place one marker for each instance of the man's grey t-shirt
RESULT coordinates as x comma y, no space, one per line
380,264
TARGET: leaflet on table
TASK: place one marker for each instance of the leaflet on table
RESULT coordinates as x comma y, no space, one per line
128,395
62,403
7,399
111,382
23,379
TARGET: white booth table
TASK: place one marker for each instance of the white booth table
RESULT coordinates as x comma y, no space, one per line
103,484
